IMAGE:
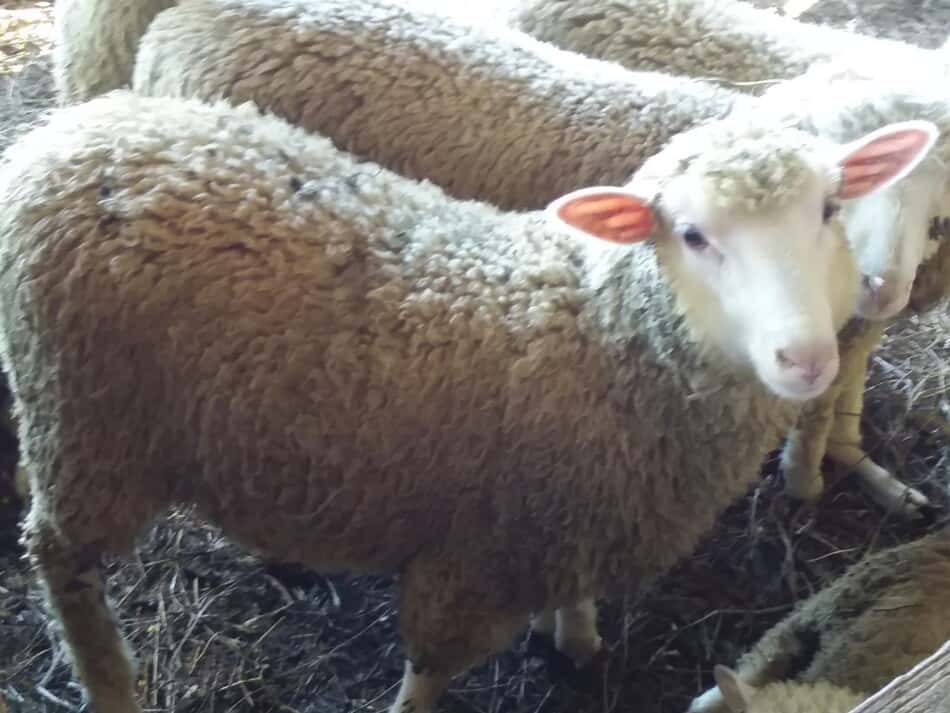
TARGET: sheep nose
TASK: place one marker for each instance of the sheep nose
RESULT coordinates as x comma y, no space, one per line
807,362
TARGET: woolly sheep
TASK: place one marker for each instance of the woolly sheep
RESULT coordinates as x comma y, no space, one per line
887,613
725,40
484,113
889,229
918,256
199,305
569,121
95,42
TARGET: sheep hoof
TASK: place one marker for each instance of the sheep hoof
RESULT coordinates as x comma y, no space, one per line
709,702
580,650
891,494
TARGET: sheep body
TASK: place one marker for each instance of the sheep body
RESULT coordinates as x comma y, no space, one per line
877,621
484,112
723,40
95,42
202,305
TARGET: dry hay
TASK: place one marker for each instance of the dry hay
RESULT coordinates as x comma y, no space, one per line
217,629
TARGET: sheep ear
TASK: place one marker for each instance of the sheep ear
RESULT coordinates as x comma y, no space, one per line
884,156
736,692
604,212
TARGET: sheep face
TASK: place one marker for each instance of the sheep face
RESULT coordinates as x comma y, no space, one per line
889,233
888,229
744,228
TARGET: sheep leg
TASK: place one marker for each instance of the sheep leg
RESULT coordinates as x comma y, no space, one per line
844,447
805,447
75,593
576,634
419,691
545,622
449,625
573,629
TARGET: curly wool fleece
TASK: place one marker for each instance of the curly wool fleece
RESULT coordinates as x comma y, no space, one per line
355,354
483,111
877,621
722,40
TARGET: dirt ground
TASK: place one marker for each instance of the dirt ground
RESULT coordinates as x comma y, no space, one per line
219,630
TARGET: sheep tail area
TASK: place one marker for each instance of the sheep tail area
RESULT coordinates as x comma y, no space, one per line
95,43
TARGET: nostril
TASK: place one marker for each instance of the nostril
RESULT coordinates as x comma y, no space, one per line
811,361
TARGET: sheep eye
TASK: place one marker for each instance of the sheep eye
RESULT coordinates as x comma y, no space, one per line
694,238
830,211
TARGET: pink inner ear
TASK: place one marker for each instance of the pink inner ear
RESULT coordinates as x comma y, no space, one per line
614,217
878,161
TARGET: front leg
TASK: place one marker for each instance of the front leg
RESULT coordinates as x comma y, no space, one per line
576,635
844,442
544,623
573,630
805,447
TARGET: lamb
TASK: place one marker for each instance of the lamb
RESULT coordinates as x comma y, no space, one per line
887,613
725,40
203,305
889,230
95,42
914,262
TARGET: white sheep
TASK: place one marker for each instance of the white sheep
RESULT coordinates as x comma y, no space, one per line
892,238
844,85
94,44
724,40
200,305
887,613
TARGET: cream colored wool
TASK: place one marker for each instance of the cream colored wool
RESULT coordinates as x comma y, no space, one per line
485,113
95,42
726,40
887,613
797,698
199,305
